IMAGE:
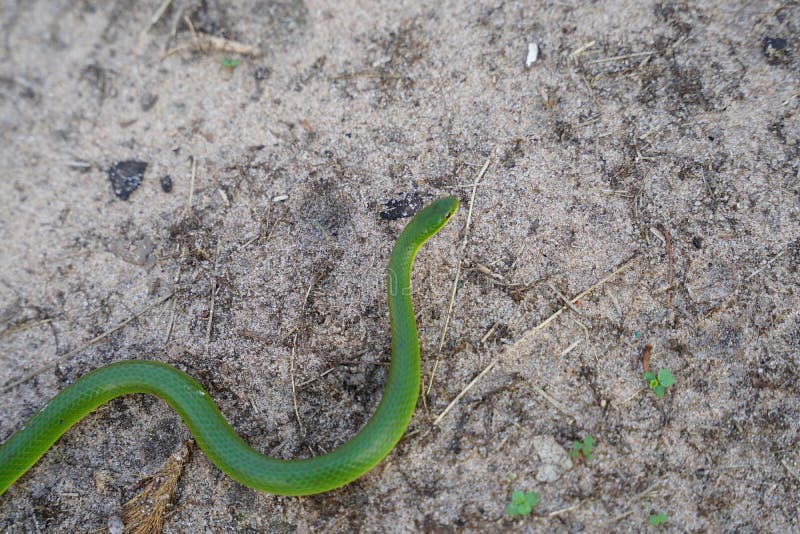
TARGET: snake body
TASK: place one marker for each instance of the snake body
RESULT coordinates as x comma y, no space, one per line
214,434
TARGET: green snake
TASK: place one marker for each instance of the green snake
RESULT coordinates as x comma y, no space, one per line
214,434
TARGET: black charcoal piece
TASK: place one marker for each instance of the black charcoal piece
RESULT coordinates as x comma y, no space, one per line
126,176
403,206
166,183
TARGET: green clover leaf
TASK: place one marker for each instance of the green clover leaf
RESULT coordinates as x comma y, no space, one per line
522,503
666,378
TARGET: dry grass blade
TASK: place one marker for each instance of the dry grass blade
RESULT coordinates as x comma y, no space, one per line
85,346
145,512
574,300
475,185
188,206
462,393
21,328
213,299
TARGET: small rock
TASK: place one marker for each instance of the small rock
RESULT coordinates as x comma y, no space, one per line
554,458
126,177
166,183
533,54
115,524
775,50
147,101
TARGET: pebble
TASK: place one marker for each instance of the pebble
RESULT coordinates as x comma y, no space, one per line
126,176
555,460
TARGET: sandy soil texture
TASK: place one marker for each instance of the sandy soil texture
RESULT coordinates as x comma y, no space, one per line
203,185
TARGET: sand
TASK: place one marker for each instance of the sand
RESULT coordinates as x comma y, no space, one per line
646,162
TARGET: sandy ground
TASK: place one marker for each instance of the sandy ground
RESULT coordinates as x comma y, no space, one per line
639,120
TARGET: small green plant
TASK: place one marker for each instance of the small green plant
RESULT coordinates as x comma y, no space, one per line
522,503
661,381
582,448
656,520
229,62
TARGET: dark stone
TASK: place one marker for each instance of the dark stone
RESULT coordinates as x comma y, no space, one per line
147,101
697,242
775,49
166,183
404,206
126,176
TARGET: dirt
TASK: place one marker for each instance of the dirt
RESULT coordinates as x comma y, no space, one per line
640,124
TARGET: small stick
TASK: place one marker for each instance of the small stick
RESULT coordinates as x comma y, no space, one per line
619,58
314,281
574,55
91,342
615,519
310,380
575,299
725,302
475,185
191,189
767,264
668,244
489,333
557,405
172,304
569,508
570,348
27,326
294,387
463,392
565,299
202,42
790,469
213,300
155,18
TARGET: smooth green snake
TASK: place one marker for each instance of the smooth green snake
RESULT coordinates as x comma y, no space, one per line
214,434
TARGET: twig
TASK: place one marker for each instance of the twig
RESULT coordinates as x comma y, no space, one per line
575,299
651,131
213,300
569,508
310,380
668,244
463,392
633,499
91,342
725,302
21,328
171,322
767,264
565,299
615,519
488,334
314,281
475,185
790,469
570,348
619,58
191,189
294,387
154,19
557,405
578,51
202,43
533,330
